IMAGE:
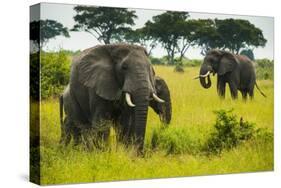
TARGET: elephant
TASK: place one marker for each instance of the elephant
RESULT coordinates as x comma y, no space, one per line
163,110
112,83
236,70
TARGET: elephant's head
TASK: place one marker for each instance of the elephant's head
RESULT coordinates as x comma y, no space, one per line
164,110
216,62
121,71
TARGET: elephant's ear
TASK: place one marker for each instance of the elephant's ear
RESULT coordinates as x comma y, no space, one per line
228,63
96,70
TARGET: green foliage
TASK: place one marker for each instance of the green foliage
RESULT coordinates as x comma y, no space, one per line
156,61
55,68
190,62
190,128
43,30
174,141
70,52
228,132
265,69
141,37
34,59
231,34
206,35
236,34
169,28
179,68
104,23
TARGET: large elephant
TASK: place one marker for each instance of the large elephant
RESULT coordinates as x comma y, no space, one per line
113,83
236,70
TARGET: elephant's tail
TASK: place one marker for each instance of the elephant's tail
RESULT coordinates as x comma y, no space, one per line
61,109
260,90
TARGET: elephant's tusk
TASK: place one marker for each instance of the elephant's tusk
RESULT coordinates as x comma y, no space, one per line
203,76
128,100
157,98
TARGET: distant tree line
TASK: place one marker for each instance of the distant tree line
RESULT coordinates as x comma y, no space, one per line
174,31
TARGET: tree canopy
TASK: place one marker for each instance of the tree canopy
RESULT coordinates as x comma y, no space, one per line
141,37
43,30
206,35
228,34
168,28
104,23
238,34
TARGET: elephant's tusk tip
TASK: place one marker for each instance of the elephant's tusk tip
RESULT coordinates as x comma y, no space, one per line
128,100
157,98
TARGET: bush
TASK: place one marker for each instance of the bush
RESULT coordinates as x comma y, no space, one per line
156,61
179,68
189,62
228,133
265,69
174,141
34,74
55,68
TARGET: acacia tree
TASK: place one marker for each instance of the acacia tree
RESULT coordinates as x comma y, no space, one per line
42,31
237,34
206,35
104,23
188,36
141,37
167,28
228,34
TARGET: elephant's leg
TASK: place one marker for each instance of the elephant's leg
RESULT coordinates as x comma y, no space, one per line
101,120
125,129
221,88
77,135
233,90
251,93
244,94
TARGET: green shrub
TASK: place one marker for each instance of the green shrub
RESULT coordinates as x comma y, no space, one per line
189,62
34,73
179,68
156,61
174,141
228,133
55,68
265,69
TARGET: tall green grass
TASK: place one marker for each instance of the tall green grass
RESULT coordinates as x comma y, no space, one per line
178,150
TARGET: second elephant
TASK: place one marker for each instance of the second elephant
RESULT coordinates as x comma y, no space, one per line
236,70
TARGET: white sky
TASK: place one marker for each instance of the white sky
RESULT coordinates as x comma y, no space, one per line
64,13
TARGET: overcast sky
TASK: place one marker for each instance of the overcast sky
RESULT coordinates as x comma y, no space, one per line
64,13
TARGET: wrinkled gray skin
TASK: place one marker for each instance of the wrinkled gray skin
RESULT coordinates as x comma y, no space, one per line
236,70
99,79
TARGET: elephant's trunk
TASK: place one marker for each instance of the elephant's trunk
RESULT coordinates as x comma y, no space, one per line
204,71
167,116
141,100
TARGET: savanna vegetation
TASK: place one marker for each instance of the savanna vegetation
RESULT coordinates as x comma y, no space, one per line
206,136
